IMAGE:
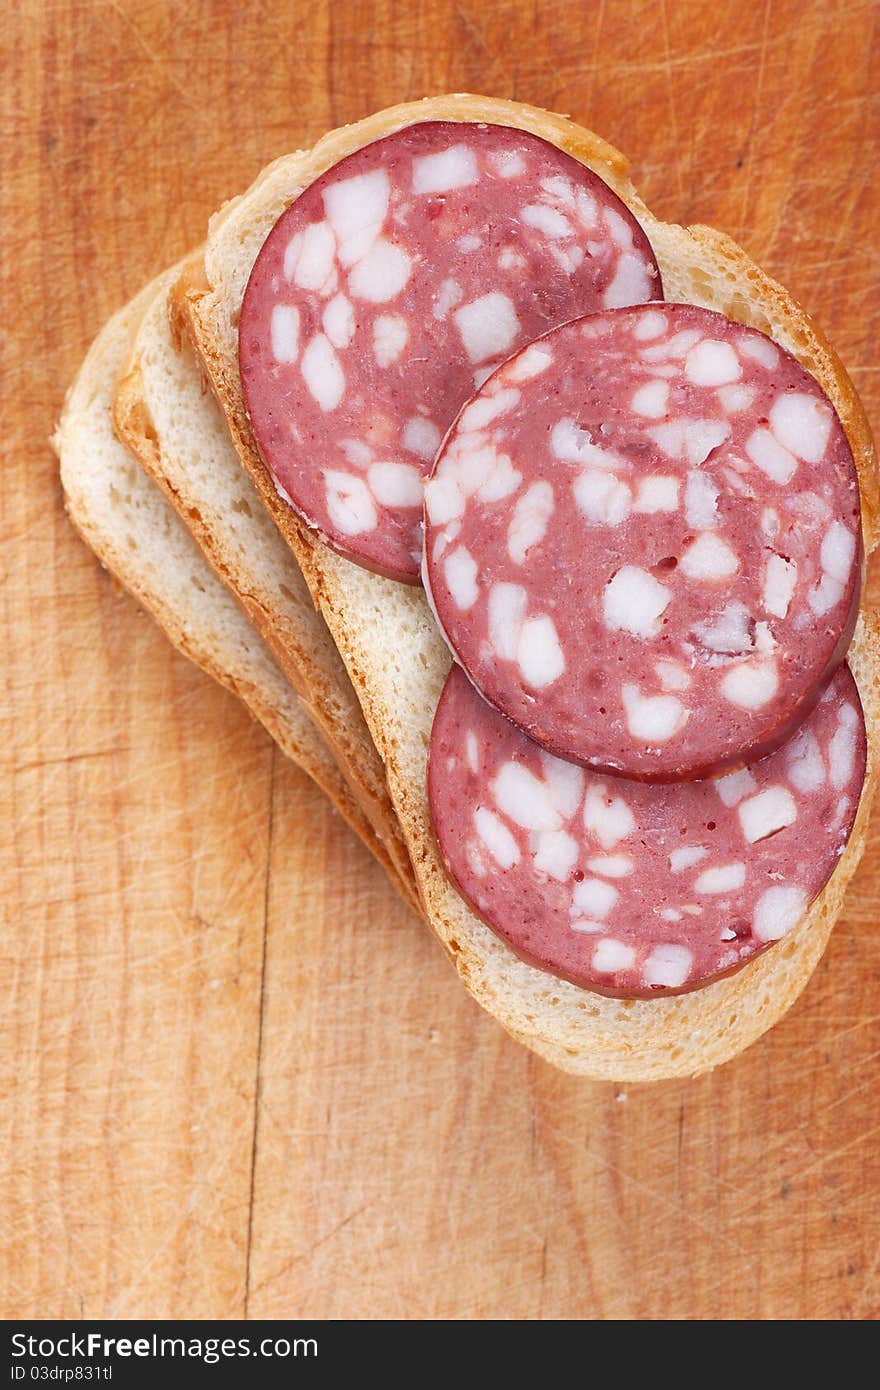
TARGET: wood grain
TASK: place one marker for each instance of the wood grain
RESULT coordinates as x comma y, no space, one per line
240,1079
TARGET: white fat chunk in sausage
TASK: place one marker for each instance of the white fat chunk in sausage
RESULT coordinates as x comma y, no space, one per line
653,718
390,337
508,259
356,209
702,437
322,372
483,373
470,459
524,798
693,440
569,257
801,424
631,283
680,860
472,751
571,444
560,188
528,525
587,207
700,501
381,274
284,332
751,685
778,910
500,479
547,220
620,229
780,582
594,897
466,244
824,595
556,854
765,642
488,326
538,653
769,523
310,256
566,783
767,453
842,753
455,167
761,816
811,506
507,608
602,497
671,914
735,785
449,294
668,964
460,573
708,557
291,255
657,493
806,768
442,541
421,437
651,400
847,715
611,955
633,601
529,364
729,632
485,409
395,484
733,470
496,837
759,349
611,865
735,399
338,321
838,552
672,675
712,363
508,164
672,348
649,325
349,503
443,500
475,859
721,878
606,817
840,811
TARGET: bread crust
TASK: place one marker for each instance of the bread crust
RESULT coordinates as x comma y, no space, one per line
633,1040
84,435
294,632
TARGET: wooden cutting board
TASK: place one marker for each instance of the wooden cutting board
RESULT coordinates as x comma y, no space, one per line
241,1077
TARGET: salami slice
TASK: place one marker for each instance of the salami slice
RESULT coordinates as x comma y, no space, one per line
633,889
391,288
643,541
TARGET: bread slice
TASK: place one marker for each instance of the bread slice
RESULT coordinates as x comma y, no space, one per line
165,416
122,515
397,660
